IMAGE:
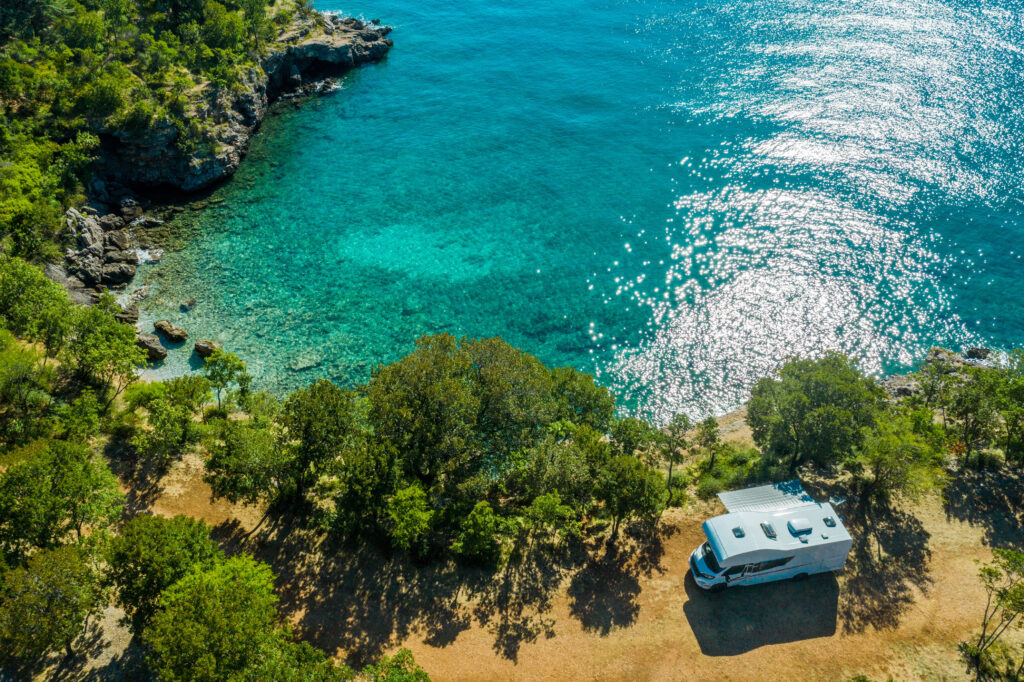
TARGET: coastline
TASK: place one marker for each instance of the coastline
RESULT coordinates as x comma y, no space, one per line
141,182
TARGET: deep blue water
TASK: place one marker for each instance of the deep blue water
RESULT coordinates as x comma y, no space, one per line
673,195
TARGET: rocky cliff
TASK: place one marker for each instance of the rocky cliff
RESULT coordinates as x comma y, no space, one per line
223,120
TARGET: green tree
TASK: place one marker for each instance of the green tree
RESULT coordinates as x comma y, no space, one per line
54,497
44,605
398,668
25,386
256,22
171,429
290,661
628,488
32,306
224,369
549,519
102,349
815,410
631,436
897,459
709,439
214,624
322,421
581,400
1003,580
79,420
478,541
151,554
1009,401
249,465
675,443
409,517
365,478
972,404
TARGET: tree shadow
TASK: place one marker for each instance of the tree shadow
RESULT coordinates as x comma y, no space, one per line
140,476
603,595
741,619
888,562
93,658
991,499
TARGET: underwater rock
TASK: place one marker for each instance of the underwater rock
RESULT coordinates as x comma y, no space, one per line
173,332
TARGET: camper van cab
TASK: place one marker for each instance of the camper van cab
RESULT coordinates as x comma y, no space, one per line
772,532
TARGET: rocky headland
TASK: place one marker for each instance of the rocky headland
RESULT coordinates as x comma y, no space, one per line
109,234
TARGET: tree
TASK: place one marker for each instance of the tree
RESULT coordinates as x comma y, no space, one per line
972,403
1003,580
101,349
249,465
224,369
256,22
398,668
322,421
549,518
1009,401
365,478
33,306
815,410
409,517
290,661
897,459
628,488
675,443
478,541
581,400
151,554
44,605
171,429
631,436
25,385
214,624
53,497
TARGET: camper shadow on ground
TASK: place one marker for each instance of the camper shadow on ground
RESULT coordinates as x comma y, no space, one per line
740,619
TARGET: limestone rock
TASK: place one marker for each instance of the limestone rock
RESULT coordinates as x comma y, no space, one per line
117,273
172,332
204,347
155,351
128,315
977,353
946,360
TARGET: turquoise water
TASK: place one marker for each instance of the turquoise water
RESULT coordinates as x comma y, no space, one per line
673,195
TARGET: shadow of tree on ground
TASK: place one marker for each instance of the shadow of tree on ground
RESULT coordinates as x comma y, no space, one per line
741,619
603,594
140,476
991,499
361,599
888,562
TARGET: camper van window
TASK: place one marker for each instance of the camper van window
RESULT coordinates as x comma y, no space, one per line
769,530
774,563
735,570
830,522
710,560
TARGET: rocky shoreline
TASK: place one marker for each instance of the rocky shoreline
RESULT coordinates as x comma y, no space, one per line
109,233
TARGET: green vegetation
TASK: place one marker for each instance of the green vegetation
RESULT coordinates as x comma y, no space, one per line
987,655
469,450
74,72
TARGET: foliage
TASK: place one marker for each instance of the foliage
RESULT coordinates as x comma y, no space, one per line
151,554
214,624
223,370
629,489
631,436
1003,580
32,306
674,445
248,465
398,668
25,386
53,498
44,605
101,349
409,517
478,541
816,409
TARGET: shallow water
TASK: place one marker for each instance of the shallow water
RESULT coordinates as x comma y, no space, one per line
673,195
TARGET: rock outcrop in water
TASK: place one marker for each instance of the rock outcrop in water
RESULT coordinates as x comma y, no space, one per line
307,51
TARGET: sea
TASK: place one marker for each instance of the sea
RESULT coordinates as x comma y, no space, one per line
675,196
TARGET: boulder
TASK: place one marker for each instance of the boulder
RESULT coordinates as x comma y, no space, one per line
117,273
946,360
155,352
977,353
119,239
129,315
173,332
204,347
111,221
115,256
900,386
188,305
130,208
86,230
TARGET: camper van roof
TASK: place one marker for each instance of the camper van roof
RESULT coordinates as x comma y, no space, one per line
771,497
763,533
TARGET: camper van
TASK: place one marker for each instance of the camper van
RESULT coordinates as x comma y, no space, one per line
771,532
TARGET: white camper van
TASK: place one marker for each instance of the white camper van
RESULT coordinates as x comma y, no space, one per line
771,532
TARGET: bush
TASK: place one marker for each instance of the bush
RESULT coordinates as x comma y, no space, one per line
478,541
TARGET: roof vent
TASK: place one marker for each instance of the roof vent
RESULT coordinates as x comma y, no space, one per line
738,532
799,526
830,522
769,530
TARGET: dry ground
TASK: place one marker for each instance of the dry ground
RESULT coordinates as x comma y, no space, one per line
908,595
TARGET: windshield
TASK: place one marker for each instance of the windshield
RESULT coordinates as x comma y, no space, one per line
710,560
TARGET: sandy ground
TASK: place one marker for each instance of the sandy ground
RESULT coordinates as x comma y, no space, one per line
586,612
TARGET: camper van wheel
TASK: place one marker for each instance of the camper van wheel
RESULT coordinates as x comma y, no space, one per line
800,576
717,588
